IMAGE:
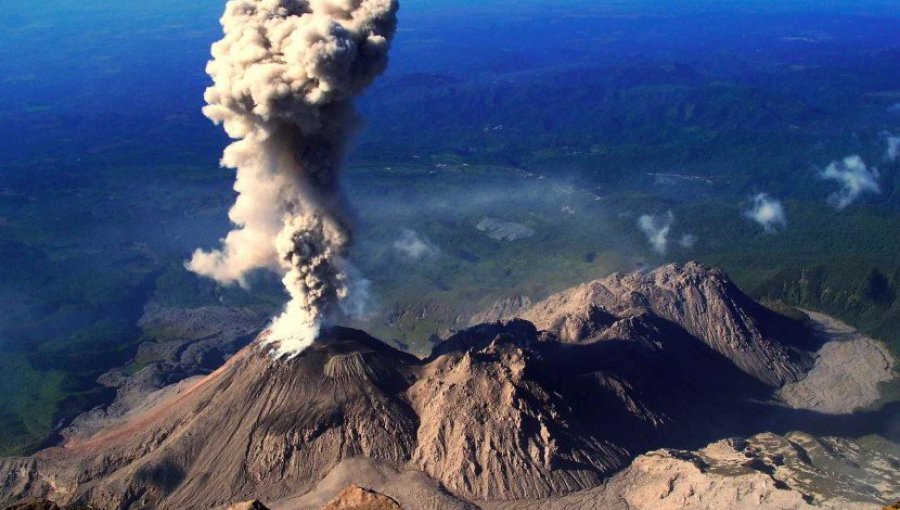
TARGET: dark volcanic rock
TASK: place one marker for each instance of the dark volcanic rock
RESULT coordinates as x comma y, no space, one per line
248,505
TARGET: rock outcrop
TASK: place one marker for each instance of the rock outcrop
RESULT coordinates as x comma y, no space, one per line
767,471
409,487
357,498
248,505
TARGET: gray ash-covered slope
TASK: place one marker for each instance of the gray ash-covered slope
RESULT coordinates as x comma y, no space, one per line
254,426
476,420
498,412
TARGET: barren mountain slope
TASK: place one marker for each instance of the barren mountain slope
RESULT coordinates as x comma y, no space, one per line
255,426
796,471
411,488
533,417
498,412
509,437
767,471
701,300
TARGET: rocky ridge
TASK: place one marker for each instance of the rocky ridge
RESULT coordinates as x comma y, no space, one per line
702,301
502,413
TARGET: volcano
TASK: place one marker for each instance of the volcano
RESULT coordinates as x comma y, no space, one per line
515,412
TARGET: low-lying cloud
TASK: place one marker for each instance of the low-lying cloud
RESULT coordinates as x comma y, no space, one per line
855,178
767,212
415,246
687,241
657,229
893,148
500,230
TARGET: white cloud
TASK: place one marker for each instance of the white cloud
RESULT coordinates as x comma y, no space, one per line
768,212
855,179
657,228
687,240
414,246
893,148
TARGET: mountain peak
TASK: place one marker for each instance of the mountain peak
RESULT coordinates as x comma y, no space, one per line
702,301
536,407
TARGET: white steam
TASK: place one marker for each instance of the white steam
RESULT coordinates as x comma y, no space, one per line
414,246
657,228
284,77
767,212
855,179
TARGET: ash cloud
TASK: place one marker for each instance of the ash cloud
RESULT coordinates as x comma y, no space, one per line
657,228
284,77
854,177
767,212
414,246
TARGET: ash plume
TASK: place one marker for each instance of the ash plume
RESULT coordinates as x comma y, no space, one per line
767,212
284,77
855,178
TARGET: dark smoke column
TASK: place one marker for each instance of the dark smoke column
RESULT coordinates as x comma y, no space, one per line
284,77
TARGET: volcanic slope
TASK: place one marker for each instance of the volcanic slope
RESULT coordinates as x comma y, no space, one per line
498,412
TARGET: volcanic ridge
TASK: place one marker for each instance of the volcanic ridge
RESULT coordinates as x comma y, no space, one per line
623,393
